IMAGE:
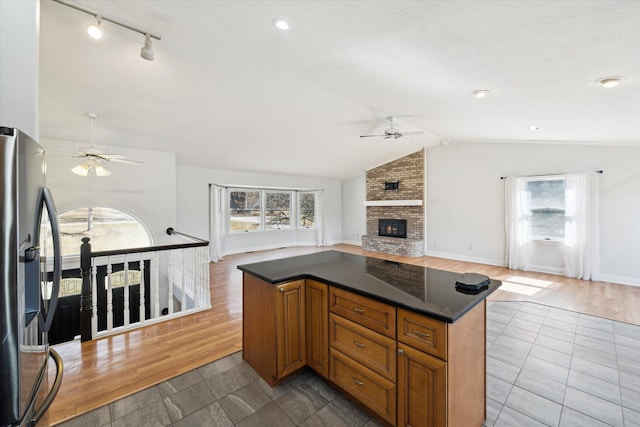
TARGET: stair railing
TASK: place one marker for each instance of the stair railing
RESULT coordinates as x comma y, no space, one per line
129,288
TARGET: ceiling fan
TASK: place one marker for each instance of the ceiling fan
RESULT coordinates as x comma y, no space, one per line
392,133
94,160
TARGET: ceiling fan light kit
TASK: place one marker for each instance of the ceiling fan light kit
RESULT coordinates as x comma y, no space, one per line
95,159
91,166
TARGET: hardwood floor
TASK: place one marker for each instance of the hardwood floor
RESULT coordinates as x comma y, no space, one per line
102,371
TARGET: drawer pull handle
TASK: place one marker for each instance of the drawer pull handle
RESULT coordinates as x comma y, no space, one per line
420,334
359,344
282,290
358,310
357,381
401,352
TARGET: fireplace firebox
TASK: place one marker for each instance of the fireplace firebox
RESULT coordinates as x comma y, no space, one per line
392,228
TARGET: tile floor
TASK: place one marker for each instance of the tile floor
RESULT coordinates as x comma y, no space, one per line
545,367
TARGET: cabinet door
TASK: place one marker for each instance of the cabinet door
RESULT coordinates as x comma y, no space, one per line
422,389
290,330
317,326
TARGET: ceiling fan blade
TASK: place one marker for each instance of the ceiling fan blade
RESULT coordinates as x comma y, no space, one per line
371,136
51,154
123,160
419,132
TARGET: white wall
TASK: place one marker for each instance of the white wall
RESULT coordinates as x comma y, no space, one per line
466,200
19,47
147,191
193,207
354,213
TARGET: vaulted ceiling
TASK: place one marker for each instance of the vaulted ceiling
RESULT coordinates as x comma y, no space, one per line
228,90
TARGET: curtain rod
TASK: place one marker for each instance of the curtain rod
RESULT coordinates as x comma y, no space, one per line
552,174
255,187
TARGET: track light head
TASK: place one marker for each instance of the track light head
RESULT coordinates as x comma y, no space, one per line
147,50
95,30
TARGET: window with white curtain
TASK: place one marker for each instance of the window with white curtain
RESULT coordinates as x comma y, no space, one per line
561,208
546,207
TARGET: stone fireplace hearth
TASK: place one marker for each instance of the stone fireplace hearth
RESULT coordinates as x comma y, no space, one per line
404,202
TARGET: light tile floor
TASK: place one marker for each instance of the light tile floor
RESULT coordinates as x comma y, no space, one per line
545,367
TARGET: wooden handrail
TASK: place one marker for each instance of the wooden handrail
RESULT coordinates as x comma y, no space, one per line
147,249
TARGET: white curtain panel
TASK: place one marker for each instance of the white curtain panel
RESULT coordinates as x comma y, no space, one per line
581,245
517,223
322,232
215,216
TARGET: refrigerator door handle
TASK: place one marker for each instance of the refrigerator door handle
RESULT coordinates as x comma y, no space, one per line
46,201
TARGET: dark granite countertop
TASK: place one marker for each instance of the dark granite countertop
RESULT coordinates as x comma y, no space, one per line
424,290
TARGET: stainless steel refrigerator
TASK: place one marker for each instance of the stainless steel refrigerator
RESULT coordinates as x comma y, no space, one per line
29,281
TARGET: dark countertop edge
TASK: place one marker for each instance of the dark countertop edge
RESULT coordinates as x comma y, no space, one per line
424,312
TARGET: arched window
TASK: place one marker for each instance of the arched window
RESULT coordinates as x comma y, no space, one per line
107,228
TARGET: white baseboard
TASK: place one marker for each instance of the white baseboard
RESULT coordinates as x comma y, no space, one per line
457,257
544,269
633,281
267,247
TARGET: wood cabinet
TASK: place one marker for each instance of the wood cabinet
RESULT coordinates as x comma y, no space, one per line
291,347
317,326
375,315
422,388
371,349
408,368
273,327
371,389
442,369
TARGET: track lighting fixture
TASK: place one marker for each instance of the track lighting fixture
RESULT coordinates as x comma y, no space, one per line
95,30
147,50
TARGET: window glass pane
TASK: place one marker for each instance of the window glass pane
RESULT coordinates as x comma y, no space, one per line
107,228
547,208
277,210
244,210
307,210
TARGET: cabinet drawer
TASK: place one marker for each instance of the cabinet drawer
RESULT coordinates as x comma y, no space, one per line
371,389
372,349
423,333
367,312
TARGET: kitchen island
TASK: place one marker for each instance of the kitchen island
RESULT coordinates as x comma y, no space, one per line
403,340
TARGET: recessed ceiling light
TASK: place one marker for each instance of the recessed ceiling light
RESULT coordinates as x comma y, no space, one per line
280,23
611,81
533,128
481,93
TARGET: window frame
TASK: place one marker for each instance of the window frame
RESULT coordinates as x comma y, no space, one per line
543,239
299,208
227,210
107,206
294,216
291,209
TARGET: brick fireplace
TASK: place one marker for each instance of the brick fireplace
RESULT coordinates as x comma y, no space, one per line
395,190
